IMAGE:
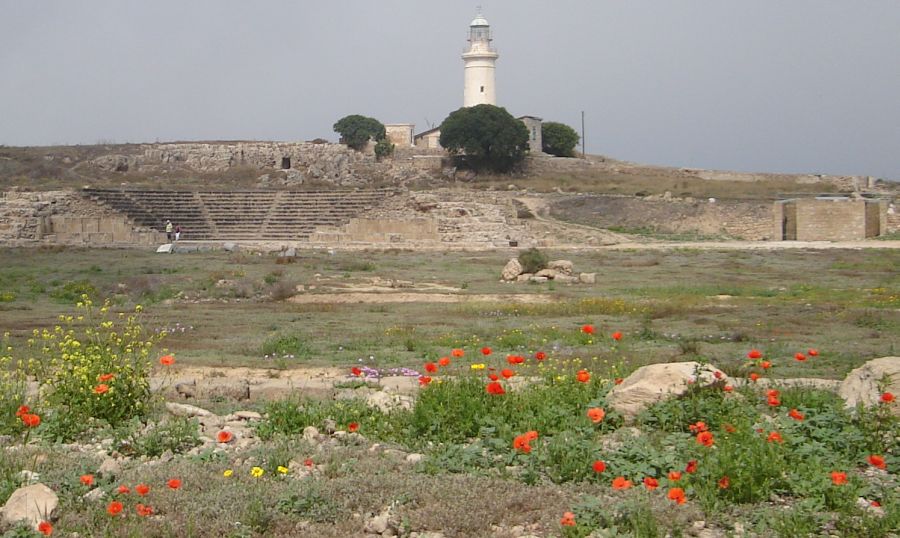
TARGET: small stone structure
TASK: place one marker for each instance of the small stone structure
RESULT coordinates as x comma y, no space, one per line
534,126
400,134
829,218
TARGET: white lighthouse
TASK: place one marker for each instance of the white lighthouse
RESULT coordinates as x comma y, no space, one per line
479,59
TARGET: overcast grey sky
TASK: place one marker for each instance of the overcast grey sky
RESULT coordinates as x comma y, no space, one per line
753,85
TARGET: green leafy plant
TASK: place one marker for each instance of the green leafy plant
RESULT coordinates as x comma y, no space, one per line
558,139
533,260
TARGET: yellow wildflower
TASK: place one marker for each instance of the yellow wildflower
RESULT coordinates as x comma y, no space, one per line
257,472
227,473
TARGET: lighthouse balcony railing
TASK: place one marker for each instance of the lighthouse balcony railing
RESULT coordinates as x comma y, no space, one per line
480,48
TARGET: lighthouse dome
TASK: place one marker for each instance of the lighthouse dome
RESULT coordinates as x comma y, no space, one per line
479,20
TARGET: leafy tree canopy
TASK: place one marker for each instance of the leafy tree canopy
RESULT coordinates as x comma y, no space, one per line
356,130
485,137
559,139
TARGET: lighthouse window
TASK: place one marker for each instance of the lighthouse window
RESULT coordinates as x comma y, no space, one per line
482,89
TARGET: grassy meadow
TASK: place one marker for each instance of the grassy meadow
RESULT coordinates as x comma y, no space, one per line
543,451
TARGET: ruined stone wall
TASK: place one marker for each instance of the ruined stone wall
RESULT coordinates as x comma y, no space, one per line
65,217
819,220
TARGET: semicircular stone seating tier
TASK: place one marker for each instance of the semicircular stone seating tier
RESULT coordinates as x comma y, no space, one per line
215,215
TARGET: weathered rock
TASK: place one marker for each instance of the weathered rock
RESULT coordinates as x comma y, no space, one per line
511,270
524,277
164,249
31,504
248,415
568,279
94,495
387,402
587,278
561,266
231,247
311,433
547,273
657,382
109,467
864,385
538,279
185,410
414,458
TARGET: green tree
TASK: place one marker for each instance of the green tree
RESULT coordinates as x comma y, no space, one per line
356,130
485,137
559,139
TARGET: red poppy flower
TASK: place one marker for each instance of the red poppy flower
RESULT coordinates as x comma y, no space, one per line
887,397
674,476
114,508
691,467
356,371
765,365
568,520
87,479
619,482
495,388
877,461
167,360
102,388
142,489
772,393
583,376
796,415
123,490
651,483
617,336
105,377
143,510
485,351
521,443
754,376
618,381
540,355
493,377
308,462
698,427
728,388
430,367
724,482
30,420
174,483
812,352
587,329
23,409
754,354
444,361
457,353
596,414
717,374
800,357
507,373
775,437
773,402
705,438
45,528
838,478
531,435
352,427
224,436
876,504
515,359
599,466
677,495
424,380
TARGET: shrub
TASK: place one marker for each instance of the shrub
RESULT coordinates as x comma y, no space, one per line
558,139
384,148
283,345
98,371
533,260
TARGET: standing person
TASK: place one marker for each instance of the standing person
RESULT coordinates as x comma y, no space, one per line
178,232
169,230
